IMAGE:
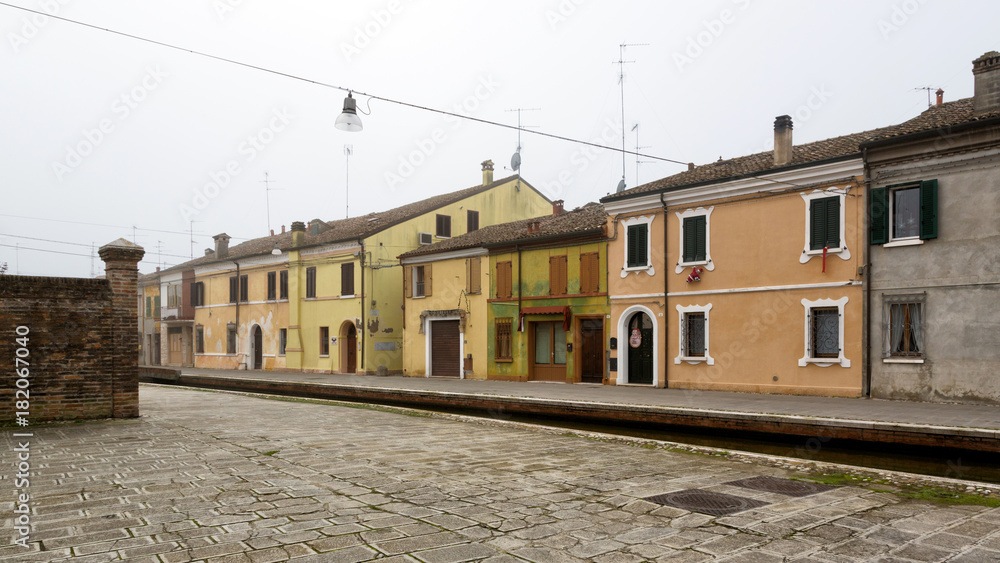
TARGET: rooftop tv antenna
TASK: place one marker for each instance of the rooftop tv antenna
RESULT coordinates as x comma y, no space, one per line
621,82
348,151
638,148
929,90
191,235
267,194
515,160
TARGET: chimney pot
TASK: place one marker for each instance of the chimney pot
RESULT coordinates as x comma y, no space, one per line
157,268
940,96
282,229
298,233
986,95
221,245
208,251
782,140
272,232
557,207
690,166
487,172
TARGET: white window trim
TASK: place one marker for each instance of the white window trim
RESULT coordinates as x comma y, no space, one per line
842,251
707,262
681,357
824,362
622,378
428,336
902,361
630,222
901,241
413,280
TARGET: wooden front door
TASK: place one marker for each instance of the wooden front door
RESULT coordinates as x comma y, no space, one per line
446,358
549,355
174,339
640,349
258,348
592,351
351,347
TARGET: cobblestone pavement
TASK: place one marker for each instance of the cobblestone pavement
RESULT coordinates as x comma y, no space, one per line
228,478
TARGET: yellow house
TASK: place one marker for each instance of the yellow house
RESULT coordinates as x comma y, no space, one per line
325,296
149,319
744,274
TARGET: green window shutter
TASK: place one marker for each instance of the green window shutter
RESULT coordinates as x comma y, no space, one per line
700,238
928,210
817,224
637,246
833,222
149,307
690,240
878,216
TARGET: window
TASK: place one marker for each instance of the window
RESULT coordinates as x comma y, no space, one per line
824,223
473,275
347,279
472,221
197,294
502,340
244,288
590,272
282,340
272,286
156,307
692,335
824,332
174,295
903,322
231,340
904,213
637,241
234,284
283,282
694,239
311,283
324,341
504,280
419,283
557,275
443,229
200,340
550,343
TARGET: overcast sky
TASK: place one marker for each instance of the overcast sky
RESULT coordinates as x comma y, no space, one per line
115,132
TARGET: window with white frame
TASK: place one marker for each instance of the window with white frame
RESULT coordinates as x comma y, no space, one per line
824,333
692,335
695,238
638,245
904,214
825,226
903,327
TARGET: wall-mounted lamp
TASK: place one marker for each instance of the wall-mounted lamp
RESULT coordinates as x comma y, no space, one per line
276,251
348,119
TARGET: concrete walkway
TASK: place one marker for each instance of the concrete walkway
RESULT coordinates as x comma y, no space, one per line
975,427
224,478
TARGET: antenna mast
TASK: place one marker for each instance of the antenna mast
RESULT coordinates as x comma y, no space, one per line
515,160
621,82
929,89
267,195
637,149
348,151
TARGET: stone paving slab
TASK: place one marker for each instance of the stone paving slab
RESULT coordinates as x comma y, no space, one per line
221,477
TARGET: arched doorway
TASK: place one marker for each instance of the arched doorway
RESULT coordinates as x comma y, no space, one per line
640,349
348,348
257,348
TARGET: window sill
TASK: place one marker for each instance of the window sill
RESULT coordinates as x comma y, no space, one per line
825,362
418,297
647,268
902,360
903,242
504,360
351,296
324,355
829,251
695,360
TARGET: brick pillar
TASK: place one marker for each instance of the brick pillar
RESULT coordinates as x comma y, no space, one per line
121,268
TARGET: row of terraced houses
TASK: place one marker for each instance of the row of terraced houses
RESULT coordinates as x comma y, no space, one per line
860,265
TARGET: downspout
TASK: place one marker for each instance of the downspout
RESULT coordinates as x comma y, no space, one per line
666,310
238,309
364,328
518,249
866,302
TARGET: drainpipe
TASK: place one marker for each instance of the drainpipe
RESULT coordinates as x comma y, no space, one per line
518,249
666,310
237,309
364,329
866,303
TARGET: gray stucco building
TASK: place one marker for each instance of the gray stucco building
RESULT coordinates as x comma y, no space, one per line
933,300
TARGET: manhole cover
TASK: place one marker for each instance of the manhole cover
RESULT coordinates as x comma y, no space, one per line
781,486
706,502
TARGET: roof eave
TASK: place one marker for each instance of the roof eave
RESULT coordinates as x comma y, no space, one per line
929,133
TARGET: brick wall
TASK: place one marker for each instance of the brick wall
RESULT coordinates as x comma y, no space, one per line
82,342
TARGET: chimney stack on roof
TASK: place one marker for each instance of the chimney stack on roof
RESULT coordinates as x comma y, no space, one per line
487,172
690,166
940,96
157,268
272,232
986,70
282,229
782,140
221,245
208,251
557,207
298,233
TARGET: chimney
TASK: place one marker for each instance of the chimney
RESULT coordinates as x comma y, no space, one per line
298,233
282,229
208,251
986,70
940,96
272,232
690,166
782,140
557,207
487,172
221,245
157,268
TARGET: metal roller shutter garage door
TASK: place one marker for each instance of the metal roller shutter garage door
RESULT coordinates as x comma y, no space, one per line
445,354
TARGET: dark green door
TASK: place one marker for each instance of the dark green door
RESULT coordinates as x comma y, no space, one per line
640,349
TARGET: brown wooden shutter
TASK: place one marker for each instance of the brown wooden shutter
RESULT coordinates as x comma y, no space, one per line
407,281
427,280
473,283
589,277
